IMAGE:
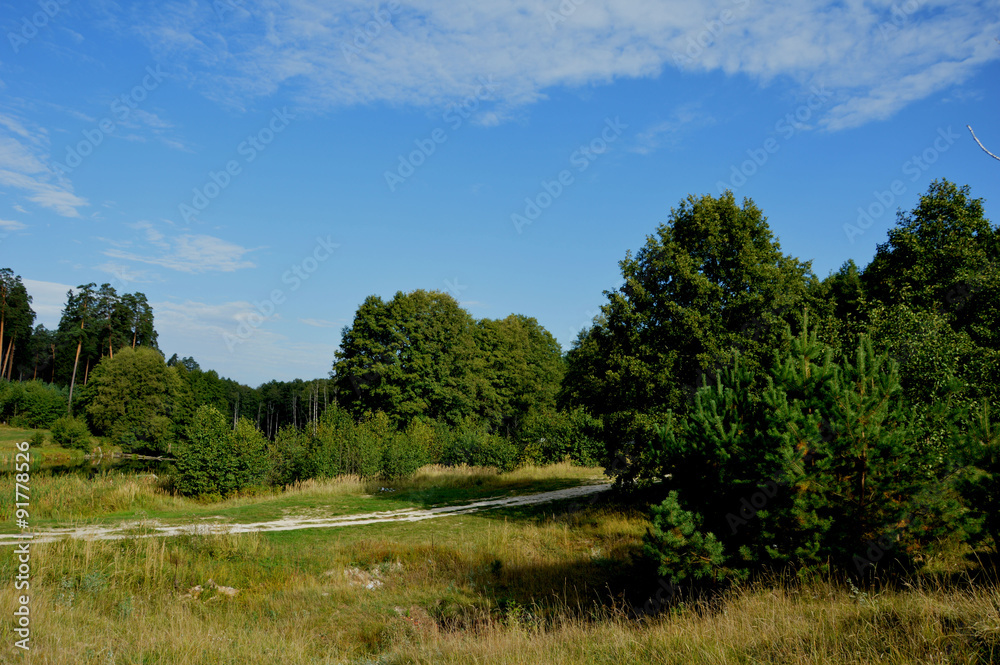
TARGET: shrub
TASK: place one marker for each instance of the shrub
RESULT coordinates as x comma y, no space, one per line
683,551
31,404
71,432
402,456
290,459
980,487
553,436
218,461
471,444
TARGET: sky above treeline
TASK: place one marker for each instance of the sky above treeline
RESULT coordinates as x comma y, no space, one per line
257,168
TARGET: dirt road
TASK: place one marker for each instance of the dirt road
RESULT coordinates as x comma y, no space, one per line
152,529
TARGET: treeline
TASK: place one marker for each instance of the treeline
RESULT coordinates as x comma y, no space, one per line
42,371
95,322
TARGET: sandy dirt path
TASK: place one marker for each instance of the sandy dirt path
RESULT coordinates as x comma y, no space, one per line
152,529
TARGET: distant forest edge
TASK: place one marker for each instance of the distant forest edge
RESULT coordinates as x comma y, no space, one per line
784,418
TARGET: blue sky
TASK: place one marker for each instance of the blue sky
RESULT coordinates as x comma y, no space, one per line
258,168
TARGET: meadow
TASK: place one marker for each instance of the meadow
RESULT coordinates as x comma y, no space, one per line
556,583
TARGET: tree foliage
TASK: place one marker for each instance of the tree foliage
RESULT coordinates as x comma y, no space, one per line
131,398
218,460
943,256
422,355
812,473
16,321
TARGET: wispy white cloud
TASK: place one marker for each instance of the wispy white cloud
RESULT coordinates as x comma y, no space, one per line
12,225
683,120
189,253
24,152
432,51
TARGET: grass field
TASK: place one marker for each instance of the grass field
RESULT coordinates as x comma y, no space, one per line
549,587
556,583
65,500
46,455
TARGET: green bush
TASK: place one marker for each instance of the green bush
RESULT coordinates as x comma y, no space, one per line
471,444
682,550
31,404
71,432
290,458
980,486
402,456
553,436
217,461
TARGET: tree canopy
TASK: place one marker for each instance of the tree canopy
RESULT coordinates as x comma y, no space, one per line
422,355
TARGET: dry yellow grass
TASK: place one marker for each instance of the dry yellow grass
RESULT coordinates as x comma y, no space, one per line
529,588
487,591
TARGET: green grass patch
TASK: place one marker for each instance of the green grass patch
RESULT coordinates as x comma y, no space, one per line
64,500
47,455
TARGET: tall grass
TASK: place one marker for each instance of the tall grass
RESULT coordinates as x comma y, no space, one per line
462,601
68,497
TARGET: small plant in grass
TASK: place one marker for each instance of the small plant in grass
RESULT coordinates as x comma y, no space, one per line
71,432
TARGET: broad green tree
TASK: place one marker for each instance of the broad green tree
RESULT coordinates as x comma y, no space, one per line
523,363
415,355
943,256
708,282
131,397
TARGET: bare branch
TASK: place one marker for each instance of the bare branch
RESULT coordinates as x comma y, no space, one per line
981,144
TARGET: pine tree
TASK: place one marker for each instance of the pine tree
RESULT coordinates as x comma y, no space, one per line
822,468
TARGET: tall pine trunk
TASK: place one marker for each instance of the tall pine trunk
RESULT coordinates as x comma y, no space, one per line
72,381
10,359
